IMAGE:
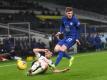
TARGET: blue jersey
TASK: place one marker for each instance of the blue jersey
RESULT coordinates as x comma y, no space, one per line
69,27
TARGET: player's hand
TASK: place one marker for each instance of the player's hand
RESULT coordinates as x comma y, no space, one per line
58,33
78,42
45,50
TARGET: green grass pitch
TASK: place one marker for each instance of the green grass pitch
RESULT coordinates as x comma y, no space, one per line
88,66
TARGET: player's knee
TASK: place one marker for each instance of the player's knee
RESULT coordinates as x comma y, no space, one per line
44,67
57,48
63,49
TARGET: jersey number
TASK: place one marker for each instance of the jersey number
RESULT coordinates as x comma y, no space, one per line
69,39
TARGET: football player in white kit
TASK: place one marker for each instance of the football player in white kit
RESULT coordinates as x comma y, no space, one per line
42,63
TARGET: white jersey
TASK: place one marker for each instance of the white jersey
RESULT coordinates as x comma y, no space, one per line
43,60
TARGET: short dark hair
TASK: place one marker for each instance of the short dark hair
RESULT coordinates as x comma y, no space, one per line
68,9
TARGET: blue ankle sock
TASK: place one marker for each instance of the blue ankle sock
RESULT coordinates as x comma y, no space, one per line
60,55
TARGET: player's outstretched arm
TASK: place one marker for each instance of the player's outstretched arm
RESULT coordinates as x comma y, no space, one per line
59,71
39,50
55,70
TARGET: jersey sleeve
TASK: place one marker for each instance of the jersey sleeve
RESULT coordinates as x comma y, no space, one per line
78,35
77,24
38,55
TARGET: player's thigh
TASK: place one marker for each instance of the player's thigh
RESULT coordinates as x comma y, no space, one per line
63,48
57,48
59,45
69,42
35,65
44,65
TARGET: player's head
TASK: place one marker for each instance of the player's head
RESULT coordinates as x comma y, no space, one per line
48,54
69,12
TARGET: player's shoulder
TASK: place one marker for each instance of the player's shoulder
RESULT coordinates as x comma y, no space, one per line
74,17
75,20
38,55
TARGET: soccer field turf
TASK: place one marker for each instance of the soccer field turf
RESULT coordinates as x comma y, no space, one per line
89,66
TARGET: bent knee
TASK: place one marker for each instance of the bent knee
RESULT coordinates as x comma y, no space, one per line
57,48
63,48
44,67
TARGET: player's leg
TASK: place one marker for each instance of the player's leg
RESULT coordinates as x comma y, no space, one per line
69,43
60,53
57,48
41,69
63,49
35,68
71,58
63,46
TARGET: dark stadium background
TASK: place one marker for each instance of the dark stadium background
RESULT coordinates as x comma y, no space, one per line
27,24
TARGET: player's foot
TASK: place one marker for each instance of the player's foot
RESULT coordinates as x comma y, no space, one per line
29,72
71,61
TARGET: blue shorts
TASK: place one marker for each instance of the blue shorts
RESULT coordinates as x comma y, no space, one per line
68,42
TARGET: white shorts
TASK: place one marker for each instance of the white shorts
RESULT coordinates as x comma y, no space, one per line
38,64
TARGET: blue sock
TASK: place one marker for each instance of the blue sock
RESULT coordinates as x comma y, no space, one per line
60,55
66,55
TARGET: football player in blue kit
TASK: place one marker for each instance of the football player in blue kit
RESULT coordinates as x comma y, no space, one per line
69,28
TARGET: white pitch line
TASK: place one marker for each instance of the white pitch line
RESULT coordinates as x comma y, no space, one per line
7,65
89,54
10,65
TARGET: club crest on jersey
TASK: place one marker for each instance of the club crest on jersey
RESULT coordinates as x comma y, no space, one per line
71,23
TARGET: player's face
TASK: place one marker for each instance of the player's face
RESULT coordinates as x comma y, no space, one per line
69,14
48,54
